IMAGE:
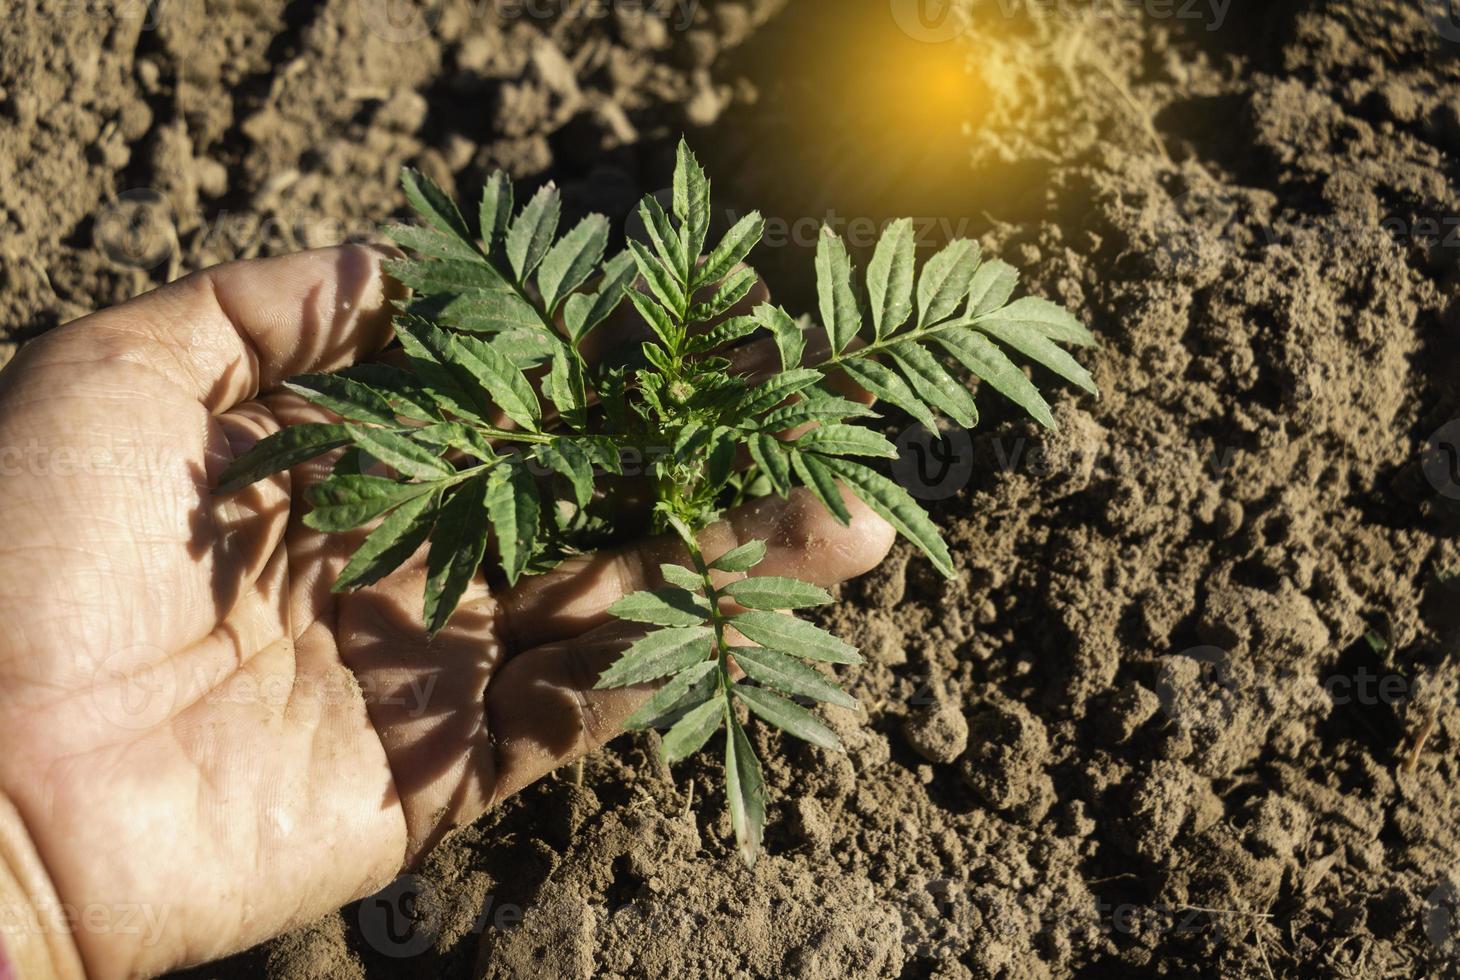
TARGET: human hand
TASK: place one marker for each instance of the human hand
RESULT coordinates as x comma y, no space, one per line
196,735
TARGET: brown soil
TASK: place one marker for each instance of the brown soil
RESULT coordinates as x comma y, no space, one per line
1190,708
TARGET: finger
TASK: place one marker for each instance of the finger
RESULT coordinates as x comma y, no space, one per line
802,541
227,333
425,696
544,711
249,524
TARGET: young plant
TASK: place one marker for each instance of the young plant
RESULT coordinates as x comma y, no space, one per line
479,452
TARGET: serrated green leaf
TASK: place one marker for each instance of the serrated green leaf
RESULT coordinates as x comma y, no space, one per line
1050,319
434,360
566,386
882,382
705,688
788,716
795,637
836,439
773,592
400,453
533,230
348,500
659,654
769,454
495,210
399,387
430,241
455,435
741,559
992,366
570,262
944,392
720,461
744,792
344,396
690,440
691,732
526,348
774,669
458,543
769,394
840,313
433,204
819,480
736,328
668,245
487,311
602,451
667,697
514,510
992,286
398,537
691,201
731,291
437,276
570,460
659,359
682,577
890,277
660,280
1027,340
897,507
286,448
827,409
663,607
790,340
743,236
504,381
583,312
946,280
655,316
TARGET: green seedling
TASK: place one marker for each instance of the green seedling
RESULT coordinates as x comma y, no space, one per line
498,430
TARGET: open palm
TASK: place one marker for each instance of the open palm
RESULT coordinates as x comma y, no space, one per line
201,742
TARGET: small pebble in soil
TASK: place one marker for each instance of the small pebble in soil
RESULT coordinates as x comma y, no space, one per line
938,733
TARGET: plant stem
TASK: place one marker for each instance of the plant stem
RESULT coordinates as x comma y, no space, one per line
887,342
515,435
717,621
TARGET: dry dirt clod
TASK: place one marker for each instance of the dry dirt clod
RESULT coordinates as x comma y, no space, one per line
1004,763
1133,705
938,733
